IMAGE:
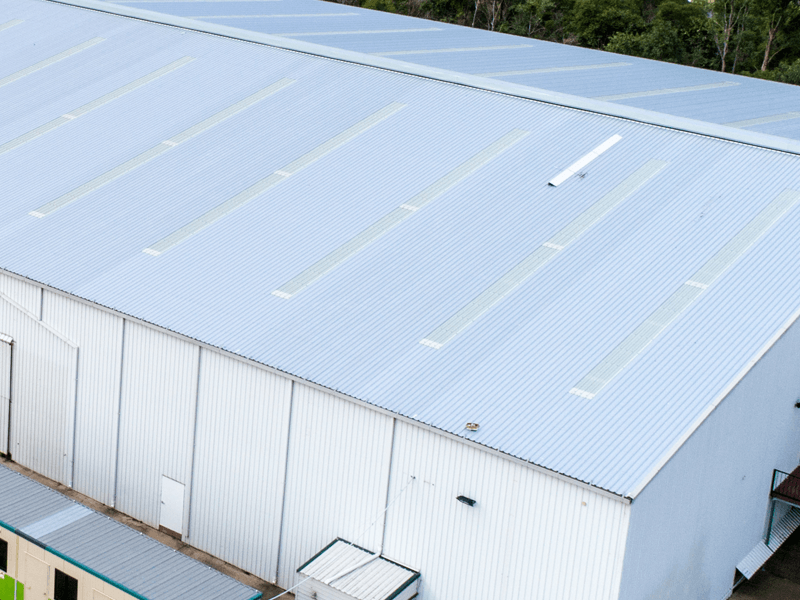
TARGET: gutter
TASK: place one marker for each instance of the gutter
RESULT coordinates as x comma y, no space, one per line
607,109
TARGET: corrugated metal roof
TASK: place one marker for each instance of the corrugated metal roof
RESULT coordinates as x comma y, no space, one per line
669,88
126,557
358,573
357,328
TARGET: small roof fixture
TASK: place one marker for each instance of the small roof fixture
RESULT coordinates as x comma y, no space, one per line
472,426
465,500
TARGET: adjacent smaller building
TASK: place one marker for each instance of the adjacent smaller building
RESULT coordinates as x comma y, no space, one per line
52,547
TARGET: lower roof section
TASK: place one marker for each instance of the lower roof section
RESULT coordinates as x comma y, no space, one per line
125,558
400,204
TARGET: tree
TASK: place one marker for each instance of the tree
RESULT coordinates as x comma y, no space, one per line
727,23
773,17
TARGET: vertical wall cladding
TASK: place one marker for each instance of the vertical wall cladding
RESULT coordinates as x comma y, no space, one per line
239,463
157,413
529,535
99,337
43,393
25,294
337,473
5,392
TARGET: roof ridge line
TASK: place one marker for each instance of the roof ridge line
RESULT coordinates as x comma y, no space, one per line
608,109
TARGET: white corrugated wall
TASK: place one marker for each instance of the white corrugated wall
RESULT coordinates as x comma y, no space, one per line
99,337
337,474
529,535
27,295
240,463
43,393
159,392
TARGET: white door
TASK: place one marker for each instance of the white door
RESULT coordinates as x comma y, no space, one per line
5,390
37,578
171,505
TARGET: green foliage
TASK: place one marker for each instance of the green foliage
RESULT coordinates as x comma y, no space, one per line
596,21
747,35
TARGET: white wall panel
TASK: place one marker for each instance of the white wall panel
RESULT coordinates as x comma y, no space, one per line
99,336
240,463
157,413
528,536
27,295
337,474
43,393
5,392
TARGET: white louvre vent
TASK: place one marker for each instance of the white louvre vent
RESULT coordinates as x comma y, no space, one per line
343,571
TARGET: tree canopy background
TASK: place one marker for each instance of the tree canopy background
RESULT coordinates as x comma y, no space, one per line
760,38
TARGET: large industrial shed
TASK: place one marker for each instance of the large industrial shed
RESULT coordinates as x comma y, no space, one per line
267,298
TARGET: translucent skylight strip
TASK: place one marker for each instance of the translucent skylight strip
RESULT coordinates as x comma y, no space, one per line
583,161
82,110
359,32
763,120
683,297
542,255
678,90
158,149
448,50
11,23
376,230
50,61
276,16
271,180
555,69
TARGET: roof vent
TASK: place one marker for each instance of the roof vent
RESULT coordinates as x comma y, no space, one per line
473,426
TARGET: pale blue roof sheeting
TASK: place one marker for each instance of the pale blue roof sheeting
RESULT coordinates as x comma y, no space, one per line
127,558
357,327
405,38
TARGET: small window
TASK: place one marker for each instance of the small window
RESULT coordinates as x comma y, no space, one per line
4,556
66,587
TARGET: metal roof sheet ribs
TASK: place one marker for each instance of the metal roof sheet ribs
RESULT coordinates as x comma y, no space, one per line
677,90
764,120
10,23
539,257
74,114
158,149
449,50
684,296
583,161
556,69
358,32
273,179
50,61
374,231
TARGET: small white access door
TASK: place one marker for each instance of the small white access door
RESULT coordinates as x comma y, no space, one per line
5,390
171,505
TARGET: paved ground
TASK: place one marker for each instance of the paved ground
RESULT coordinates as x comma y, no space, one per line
246,578
779,579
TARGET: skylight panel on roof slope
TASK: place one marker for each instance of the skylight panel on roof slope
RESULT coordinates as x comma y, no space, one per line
542,255
50,61
663,91
273,179
373,232
82,110
158,149
11,23
645,333
555,69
